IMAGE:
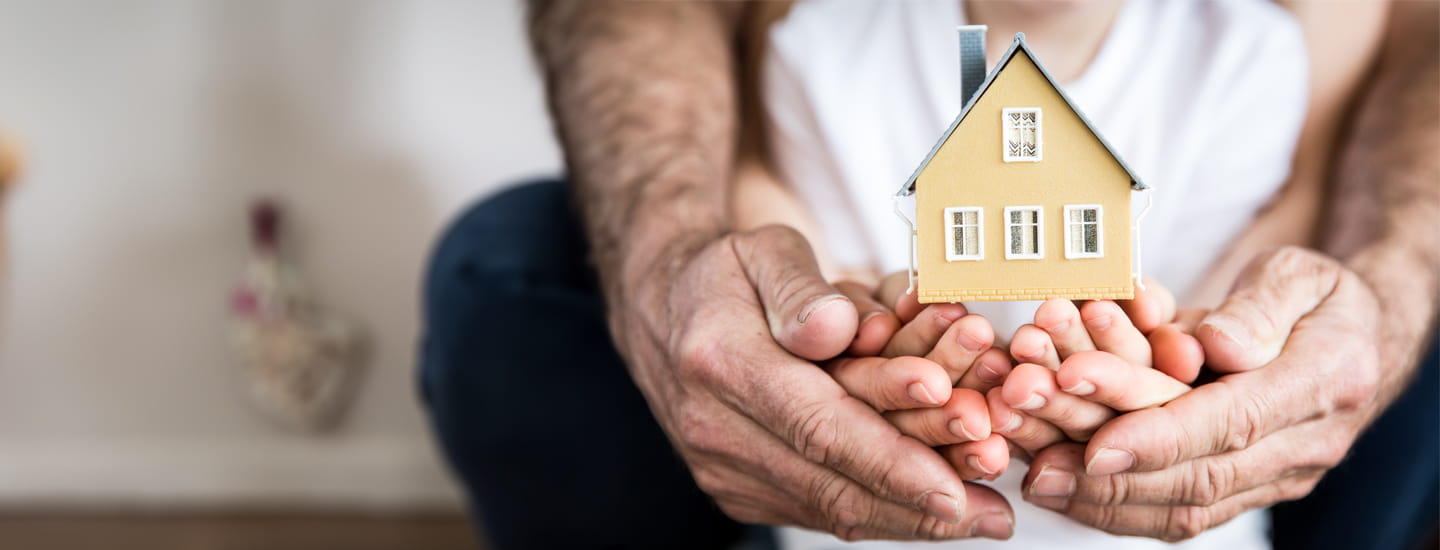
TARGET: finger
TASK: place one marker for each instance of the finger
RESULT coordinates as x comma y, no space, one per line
891,384
1327,367
1310,448
1061,320
965,417
1176,523
877,323
993,518
807,316
920,335
1031,388
826,500
985,459
962,344
1028,433
1250,328
1152,306
1111,381
1188,319
1032,345
1112,331
892,293
1177,354
989,370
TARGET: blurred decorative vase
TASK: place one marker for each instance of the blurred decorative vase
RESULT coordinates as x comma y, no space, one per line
301,363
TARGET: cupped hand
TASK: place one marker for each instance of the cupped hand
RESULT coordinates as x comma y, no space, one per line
721,345
1296,345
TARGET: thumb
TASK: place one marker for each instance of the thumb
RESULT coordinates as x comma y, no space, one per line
807,316
1274,292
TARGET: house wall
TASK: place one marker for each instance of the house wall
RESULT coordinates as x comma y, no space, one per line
969,170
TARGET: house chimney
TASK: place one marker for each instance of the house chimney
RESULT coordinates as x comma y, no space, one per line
972,61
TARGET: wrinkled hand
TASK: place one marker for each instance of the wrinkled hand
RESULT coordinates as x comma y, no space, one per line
1295,343
772,437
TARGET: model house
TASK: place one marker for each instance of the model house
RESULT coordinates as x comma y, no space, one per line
1021,198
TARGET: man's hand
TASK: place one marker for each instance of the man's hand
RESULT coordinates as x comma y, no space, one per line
1296,340
770,436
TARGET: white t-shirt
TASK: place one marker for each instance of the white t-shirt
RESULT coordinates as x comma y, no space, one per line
1203,99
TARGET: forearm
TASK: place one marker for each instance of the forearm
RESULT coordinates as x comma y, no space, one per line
1386,200
643,98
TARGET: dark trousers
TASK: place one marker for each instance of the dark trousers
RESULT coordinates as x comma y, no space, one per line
556,447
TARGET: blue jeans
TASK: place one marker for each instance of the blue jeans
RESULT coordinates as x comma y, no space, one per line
556,447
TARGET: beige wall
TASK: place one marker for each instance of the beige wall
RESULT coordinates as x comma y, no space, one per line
969,170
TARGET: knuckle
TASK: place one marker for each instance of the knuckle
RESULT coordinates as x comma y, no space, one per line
1209,483
1333,450
707,480
1113,491
929,528
1364,373
836,501
698,430
1244,423
1301,488
815,433
1184,523
700,359
744,514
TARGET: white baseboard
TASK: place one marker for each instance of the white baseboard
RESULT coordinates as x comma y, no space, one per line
351,474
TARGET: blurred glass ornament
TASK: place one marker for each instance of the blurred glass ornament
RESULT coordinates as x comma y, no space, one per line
300,362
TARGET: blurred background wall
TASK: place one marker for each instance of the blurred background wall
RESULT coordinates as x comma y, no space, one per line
148,125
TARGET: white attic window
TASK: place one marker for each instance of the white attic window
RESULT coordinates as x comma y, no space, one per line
1022,138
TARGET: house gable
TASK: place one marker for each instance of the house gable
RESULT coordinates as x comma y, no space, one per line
1021,51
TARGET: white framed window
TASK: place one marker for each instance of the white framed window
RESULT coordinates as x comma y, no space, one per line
1084,231
964,233
1024,233
1023,137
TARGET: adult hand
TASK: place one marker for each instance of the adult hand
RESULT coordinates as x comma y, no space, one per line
772,437
1296,345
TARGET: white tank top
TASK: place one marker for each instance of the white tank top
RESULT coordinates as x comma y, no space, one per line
1204,99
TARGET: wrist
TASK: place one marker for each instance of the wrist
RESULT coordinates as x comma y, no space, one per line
1403,281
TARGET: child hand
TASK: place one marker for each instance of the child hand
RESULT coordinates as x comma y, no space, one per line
938,400
1084,364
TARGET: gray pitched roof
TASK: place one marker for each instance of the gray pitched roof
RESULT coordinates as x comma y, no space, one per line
1017,45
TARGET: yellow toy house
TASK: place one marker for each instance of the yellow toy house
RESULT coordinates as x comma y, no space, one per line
1021,199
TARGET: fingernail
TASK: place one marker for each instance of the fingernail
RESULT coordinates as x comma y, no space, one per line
944,507
869,316
1110,461
989,374
1052,482
970,342
1010,425
1099,323
1034,402
1057,504
943,321
1032,353
1083,387
974,462
818,303
920,393
957,427
1059,328
1231,329
993,526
